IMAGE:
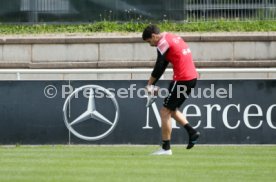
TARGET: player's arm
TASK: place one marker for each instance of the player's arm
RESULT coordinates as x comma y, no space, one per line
159,68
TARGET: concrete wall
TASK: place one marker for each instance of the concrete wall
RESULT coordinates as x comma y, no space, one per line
129,51
131,74
64,55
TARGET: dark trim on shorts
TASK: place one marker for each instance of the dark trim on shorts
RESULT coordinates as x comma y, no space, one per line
175,100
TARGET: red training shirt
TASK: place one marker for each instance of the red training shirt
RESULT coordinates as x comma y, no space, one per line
179,55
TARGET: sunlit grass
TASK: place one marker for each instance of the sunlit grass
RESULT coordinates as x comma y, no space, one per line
133,163
106,26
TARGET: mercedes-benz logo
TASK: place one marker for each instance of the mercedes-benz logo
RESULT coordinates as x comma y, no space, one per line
91,113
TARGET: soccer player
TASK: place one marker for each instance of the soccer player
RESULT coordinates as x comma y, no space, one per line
172,49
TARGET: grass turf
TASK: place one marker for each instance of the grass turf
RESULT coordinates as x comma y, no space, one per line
133,163
110,26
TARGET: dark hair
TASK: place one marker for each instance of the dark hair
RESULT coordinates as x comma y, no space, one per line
150,29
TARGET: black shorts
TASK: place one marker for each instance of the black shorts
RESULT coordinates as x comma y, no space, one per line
178,93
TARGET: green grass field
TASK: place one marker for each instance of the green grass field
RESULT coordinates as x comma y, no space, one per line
133,163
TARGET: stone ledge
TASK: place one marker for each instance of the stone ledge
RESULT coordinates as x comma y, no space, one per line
138,64
236,64
126,64
136,38
14,65
68,40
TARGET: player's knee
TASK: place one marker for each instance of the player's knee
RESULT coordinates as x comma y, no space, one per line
165,112
173,113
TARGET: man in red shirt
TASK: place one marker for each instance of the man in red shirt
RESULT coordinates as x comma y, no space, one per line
172,49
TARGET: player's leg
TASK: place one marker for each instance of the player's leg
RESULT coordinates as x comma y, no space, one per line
166,128
166,123
165,113
187,87
179,117
193,134
166,132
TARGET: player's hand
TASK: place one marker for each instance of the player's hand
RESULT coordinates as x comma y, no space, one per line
152,90
149,89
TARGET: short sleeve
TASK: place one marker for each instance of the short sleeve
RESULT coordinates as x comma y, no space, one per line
163,45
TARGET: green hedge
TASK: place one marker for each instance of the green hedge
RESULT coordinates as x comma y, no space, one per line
105,26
